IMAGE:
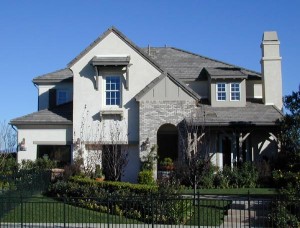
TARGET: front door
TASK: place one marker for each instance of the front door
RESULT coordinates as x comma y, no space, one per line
226,149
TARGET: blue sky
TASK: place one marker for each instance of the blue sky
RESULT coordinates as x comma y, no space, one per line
38,37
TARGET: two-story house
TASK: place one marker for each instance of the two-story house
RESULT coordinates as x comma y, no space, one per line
114,92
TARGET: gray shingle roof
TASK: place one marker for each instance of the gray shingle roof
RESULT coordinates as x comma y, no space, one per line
253,113
56,76
225,72
61,114
188,66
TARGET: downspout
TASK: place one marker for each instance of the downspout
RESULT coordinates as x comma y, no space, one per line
38,96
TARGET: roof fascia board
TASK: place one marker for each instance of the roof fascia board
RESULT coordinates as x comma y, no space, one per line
16,123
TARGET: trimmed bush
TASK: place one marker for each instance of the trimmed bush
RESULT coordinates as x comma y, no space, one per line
146,177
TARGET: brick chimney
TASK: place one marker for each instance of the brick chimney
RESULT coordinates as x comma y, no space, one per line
271,70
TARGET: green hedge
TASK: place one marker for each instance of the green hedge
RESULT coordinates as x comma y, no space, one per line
86,187
137,201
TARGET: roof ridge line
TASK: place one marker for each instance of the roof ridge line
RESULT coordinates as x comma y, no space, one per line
215,60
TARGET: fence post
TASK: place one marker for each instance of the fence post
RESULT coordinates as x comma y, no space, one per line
249,209
21,210
108,211
198,202
64,212
152,209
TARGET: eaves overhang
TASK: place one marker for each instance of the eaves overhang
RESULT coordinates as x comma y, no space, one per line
237,124
39,123
110,60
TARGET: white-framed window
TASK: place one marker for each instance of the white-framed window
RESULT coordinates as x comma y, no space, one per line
61,96
112,90
235,92
221,91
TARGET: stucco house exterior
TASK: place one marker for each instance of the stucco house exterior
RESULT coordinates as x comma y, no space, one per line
115,92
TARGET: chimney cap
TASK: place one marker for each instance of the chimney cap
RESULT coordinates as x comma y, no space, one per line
270,36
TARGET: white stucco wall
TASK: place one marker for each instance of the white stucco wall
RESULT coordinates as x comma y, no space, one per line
141,73
42,135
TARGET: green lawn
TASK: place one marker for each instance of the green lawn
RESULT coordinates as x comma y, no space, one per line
209,213
47,210
235,191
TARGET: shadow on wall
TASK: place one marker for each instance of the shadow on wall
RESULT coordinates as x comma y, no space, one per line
89,72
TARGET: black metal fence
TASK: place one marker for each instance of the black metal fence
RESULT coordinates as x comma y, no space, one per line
151,211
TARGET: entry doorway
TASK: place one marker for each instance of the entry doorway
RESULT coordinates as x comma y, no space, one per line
226,150
167,142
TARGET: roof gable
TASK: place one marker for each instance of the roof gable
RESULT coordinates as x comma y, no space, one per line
143,93
122,37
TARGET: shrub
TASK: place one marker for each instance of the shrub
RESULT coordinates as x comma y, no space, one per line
245,176
281,215
38,164
146,177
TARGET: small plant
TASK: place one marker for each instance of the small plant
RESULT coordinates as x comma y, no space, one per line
146,177
99,173
167,164
149,160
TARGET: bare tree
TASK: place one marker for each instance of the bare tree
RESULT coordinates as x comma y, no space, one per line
196,147
8,142
102,143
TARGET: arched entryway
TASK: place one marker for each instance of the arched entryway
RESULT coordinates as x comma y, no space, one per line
167,142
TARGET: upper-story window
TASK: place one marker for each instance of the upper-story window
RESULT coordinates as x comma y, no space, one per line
221,91
113,90
61,96
235,92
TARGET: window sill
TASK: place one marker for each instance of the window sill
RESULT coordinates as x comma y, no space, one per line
112,112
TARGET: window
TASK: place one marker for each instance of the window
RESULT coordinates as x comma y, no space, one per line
59,153
113,90
62,97
235,92
221,91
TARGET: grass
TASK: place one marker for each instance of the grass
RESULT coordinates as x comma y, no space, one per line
47,210
209,213
236,191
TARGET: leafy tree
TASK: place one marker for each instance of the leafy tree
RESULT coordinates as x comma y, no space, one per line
287,168
287,175
291,130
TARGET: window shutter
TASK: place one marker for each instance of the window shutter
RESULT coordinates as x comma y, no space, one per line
52,98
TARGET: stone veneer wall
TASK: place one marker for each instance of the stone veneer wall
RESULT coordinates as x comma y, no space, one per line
153,114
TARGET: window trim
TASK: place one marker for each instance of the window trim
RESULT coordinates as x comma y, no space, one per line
105,91
217,91
239,91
